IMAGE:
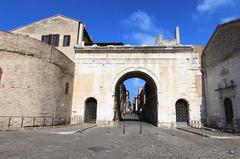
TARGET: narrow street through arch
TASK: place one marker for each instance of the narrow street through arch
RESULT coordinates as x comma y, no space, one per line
143,107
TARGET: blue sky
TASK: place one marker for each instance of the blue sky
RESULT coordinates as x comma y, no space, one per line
132,84
135,22
128,21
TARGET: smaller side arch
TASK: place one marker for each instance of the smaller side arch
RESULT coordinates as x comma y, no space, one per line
182,111
90,112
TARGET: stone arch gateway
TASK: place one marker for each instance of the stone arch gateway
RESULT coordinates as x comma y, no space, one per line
150,109
170,72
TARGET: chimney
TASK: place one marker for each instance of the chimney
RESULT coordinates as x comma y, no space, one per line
159,40
177,35
81,34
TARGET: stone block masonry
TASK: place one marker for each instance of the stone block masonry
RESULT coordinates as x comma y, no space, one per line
34,78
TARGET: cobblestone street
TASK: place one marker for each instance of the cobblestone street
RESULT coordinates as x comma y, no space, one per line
111,143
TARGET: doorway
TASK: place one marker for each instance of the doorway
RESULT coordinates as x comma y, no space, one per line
90,110
182,111
228,110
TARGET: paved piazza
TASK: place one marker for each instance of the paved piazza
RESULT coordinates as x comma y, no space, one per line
111,143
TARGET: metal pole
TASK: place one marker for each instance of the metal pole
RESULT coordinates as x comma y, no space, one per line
22,122
202,130
52,120
123,127
173,132
9,121
157,128
34,121
108,127
44,121
58,120
140,129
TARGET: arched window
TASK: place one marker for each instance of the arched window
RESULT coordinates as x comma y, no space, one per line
1,72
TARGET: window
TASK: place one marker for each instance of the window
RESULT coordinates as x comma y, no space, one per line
66,40
51,39
66,88
1,72
55,39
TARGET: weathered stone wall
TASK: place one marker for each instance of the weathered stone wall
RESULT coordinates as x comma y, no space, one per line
54,25
34,78
174,70
224,44
221,66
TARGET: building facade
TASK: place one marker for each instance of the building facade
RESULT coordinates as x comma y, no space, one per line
59,31
172,72
124,101
35,79
221,75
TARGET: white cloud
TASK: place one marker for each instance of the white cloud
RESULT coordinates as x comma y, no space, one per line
138,83
227,19
142,21
212,5
144,28
143,39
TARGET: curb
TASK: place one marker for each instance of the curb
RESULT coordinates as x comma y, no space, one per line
210,136
73,132
89,127
34,128
193,132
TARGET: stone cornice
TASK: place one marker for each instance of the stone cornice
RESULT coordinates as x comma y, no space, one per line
134,49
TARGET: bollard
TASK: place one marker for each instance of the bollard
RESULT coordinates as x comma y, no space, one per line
140,128
22,122
44,121
173,132
233,131
52,121
65,121
58,120
108,131
123,127
157,128
202,130
9,121
34,121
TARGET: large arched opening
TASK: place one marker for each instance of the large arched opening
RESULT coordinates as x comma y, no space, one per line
146,102
90,113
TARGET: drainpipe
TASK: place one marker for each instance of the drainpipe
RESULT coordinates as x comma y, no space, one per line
206,89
